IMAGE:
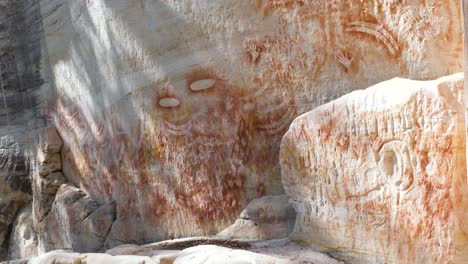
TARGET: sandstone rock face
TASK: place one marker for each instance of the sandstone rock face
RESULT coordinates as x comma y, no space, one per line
23,239
20,115
48,155
15,187
464,215
11,202
48,163
47,178
267,217
44,190
75,222
49,141
63,215
382,171
169,122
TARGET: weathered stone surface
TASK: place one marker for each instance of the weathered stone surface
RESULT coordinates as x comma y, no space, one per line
23,239
48,163
20,68
126,249
296,253
169,122
49,141
462,248
16,261
15,185
12,199
381,173
75,222
269,208
267,217
260,251
20,115
44,190
56,256
92,258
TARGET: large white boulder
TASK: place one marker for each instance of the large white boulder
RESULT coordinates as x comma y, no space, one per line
379,175
210,254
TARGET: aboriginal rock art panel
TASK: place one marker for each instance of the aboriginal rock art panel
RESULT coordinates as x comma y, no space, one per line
214,136
369,173
199,152
354,44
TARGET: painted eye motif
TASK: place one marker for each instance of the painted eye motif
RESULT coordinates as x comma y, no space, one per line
202,85
169,102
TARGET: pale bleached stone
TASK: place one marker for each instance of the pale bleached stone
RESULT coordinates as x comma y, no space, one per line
62,257
210,254
259,251
378,176
23,239
56,256
105,258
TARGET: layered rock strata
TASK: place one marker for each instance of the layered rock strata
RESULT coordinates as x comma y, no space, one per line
379,175
15,187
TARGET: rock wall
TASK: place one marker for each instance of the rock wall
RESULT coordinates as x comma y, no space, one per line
176,109
20,105
379,177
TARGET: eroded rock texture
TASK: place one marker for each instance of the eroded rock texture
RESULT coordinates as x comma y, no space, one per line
64,216
20,80
48,177
15,187
379,175
267,217
176,109
23,239
75,222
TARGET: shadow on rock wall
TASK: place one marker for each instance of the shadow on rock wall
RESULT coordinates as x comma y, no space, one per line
20,105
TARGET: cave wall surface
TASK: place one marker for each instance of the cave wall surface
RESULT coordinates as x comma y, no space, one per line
176,109
21,101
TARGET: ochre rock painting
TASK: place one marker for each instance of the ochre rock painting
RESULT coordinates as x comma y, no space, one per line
357,38
191,160
182,128
379,174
